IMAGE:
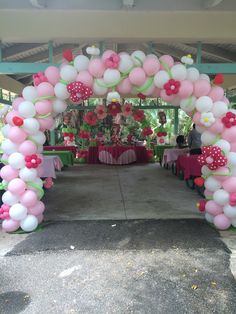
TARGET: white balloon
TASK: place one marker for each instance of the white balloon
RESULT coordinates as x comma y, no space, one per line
233,171
30,93
18,212
9,198
29,223
188,104
31,126
208,138
204,104
161,78
39,138
209,218
61,92
16,160
232,159
126,63
150,90
68,73
205,170
111,76
59,105
27,109
40,149
5,129
97,89
219,109
8,147
224,145
81,63
233,222
27,174
221,197
212,184
138,57
204,77
200,128
230,211
193,74
179,72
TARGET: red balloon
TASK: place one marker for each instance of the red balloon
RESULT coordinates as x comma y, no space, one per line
219,79
199,181
67,54
18,121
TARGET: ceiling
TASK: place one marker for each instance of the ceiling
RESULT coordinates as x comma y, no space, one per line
170,5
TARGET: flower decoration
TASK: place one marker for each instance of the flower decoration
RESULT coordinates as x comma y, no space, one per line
113,61
232,199
18,121
78,91
201,204
147,131
218,79
130,138
187,59
113,97
39,78
48,183
101,112
141,96
84,134
114,108
93,51
68,55
32,161
127,109
207,119
90,118
150,153
161,134
212,157
199,181
4,212
172,87
229,119
139,115
82,154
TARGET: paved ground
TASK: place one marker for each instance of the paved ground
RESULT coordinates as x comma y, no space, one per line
115,265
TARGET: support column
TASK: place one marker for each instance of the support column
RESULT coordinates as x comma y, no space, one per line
52,138
50,60
199,52
176,124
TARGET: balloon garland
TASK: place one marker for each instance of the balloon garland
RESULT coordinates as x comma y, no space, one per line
138,74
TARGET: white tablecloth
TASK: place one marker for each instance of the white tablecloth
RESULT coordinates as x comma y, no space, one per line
170,155
49,165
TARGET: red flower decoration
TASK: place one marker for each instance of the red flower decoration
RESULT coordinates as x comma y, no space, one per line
69,135
139,115
127,109
18,121
78,91
172,87
68,55
101,112
160,134
229,119
39,78
84,134
141,96
130,138
201,205
219,79
48,183
232,199
113,61
150,153
212,157
199,181
4,212
82,154
90,118
32,161
114,108
147,131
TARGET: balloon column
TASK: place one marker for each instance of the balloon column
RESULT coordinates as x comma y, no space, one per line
80,77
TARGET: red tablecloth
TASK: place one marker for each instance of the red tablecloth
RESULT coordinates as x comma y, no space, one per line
189,165
72,149
140,151
117,155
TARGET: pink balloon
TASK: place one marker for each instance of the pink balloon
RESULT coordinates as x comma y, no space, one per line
46,123
28,148
229,185
217,127
52,74
96,68
165,97
8,173
225,100
137,76
201,88
222,222
197,117
213,208
16,102
45,89
151,66
124,87
17,135
107,54
156,92
186,89
216,93
17,186
29,198
223,170
11,115
38,209
40,218
85,77
166,60
10,225
43,107
229,134
233,147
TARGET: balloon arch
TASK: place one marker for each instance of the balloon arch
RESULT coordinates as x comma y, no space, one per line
144,75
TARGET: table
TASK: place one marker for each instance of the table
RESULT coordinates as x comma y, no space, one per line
49,165
159,150
170,155
116,155
66,157
189,165
72,149
140,152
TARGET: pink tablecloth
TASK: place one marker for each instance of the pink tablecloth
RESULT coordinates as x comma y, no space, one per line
49,165
170,155
116,155
189,165
72,149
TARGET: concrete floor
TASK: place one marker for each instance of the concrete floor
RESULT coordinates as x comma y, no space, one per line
91,192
